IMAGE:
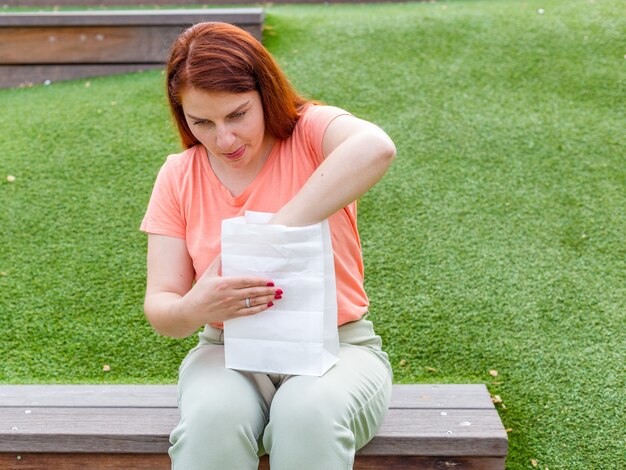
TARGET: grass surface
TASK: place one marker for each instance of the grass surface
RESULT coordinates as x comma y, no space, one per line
496,241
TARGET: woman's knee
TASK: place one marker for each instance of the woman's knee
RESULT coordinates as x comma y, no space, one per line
219,428
223,406
210,436
218,404
226,414
306,418
307,435
348,408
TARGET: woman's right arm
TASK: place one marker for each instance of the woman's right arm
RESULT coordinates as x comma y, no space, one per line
177,307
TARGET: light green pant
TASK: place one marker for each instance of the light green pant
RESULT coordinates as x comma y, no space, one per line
229,418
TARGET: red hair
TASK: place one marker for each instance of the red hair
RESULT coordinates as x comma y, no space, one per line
220,57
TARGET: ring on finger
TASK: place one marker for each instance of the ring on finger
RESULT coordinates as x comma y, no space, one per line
248,304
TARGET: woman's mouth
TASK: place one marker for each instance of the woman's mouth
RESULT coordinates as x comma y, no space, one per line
236,154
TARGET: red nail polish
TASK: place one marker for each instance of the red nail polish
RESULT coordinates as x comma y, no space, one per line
279,292
270,304
270,284
277,296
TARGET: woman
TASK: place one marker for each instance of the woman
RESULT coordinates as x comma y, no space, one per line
252,143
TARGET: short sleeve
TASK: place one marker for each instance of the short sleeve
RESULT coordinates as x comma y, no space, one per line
164,215
313,125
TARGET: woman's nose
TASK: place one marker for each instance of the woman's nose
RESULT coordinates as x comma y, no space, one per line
225,138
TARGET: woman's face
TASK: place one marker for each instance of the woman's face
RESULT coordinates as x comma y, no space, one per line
230,125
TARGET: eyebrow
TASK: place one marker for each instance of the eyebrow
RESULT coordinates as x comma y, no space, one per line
237,109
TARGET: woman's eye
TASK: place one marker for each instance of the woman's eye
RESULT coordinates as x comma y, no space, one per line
200,123
238,115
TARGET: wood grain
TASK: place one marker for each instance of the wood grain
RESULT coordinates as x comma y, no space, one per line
146,430
23,75
85,395
87,44
418,396
239,16
439,396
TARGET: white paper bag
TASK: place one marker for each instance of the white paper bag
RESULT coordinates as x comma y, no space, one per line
299,334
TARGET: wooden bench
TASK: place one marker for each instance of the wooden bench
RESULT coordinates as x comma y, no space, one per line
40,46
127,427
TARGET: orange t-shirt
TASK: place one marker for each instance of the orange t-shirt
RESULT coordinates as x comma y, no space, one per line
189,202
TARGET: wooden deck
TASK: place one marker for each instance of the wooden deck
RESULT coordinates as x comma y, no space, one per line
40,46
128,426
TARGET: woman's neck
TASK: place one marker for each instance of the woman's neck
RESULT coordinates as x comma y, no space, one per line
236,180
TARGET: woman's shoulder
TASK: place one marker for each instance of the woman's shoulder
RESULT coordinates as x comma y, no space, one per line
178,167
314,119
182,158
182,162
308,133
313,113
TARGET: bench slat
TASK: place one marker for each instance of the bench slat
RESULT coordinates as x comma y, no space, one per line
146,430
14,75
463,396
162,462
245,16
419,396
85,395
87,44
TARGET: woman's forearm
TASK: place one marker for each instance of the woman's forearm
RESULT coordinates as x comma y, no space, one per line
345,175
167,314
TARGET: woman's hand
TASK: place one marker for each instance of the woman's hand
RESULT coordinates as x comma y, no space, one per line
177,307
215,299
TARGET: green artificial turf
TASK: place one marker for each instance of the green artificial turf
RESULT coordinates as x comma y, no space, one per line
495,242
